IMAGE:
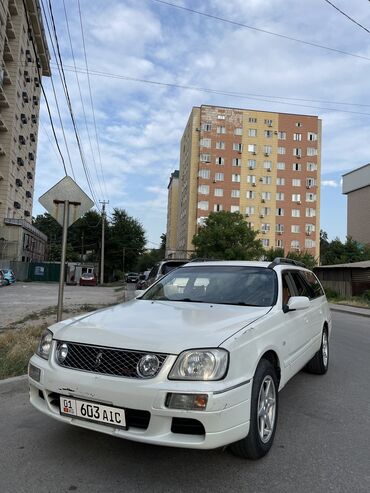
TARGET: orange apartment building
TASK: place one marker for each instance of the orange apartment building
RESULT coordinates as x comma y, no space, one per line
262,164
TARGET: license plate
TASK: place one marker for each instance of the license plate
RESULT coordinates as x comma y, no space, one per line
91,411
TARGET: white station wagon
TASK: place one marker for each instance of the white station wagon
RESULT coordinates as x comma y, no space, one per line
195,361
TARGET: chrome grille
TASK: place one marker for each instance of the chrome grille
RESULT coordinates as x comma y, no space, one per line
103,360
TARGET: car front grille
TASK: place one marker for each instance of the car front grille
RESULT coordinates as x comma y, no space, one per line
105,361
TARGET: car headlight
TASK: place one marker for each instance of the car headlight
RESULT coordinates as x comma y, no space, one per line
44,346
200,364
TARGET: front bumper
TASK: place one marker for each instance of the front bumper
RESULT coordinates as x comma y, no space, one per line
225,420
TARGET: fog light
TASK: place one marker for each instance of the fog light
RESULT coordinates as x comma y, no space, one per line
62,352
34,372
197,402
148,366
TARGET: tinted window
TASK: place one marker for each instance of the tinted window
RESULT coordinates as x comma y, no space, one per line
168,266
314,284
231,285
302,288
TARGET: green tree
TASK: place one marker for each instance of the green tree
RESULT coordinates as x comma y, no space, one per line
49,226
305,257
225,235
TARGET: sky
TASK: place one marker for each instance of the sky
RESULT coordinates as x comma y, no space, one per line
139,124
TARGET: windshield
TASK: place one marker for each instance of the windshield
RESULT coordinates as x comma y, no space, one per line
230,285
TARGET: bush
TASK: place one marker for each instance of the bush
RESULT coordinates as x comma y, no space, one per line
330,293
366,295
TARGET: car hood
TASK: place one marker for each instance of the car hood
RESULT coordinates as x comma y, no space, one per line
158,326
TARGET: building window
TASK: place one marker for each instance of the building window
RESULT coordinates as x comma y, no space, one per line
296,182
217,208
294,244
282,135
266,242
297,167
206,127
266,195
267,150
221,130
311,166
279,228
296,197
279,243
281,166
311,151
205,158
310,228
220,161
267,165
281,150
237,147
221,117
252,163
219,192
311,136
236,161
250,194
220,144
268,122
219,177
266,180
280,181
297,137
310,197
252,119
235,177
309,243
268,134
252,132
298,124
310,182
203,189
204,173
251,179
280,196
205,142
265,227
250,210
297,151
310,212
234,208
252,148
238,131
235,193
296,213
203,205
280,211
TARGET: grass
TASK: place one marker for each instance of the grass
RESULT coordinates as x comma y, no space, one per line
354,301
16,348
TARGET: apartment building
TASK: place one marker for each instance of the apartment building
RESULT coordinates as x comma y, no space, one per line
356,185
172,213
264,165
24,58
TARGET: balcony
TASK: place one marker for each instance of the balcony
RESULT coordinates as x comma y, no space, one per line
22,140
13,9
31,156
33,119
37,83
17,205
29,175
25,97
28,56
27,77
23,118
35,100
3,127
20,161
8,55
10,28
18,182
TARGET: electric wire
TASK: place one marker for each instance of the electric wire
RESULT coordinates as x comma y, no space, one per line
80,93
43,90
265,31
69,104
91,98
348,17
223,93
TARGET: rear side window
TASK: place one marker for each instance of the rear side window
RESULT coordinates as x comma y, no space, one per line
301,286
314,284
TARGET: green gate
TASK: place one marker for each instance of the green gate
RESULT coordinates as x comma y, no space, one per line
44,271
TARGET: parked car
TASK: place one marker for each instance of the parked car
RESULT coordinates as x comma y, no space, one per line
8,275
162,268
88,279
132,277
2,282
196,361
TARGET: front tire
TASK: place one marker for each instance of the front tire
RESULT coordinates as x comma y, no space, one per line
264,413
319,364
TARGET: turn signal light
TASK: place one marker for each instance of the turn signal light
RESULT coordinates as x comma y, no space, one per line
195,402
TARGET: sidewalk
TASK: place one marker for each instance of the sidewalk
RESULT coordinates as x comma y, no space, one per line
354,310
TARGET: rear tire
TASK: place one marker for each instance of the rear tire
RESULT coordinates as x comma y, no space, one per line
319,364
7,282
264,413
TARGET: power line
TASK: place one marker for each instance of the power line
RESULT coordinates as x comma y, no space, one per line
43,90
91,98
264,31
80,93
348,17
225,93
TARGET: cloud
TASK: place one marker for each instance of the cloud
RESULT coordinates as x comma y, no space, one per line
329,183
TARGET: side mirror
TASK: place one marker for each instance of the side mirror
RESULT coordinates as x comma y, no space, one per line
296,303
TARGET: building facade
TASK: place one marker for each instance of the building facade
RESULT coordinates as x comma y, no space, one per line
24,59
356,185
264,165
173,198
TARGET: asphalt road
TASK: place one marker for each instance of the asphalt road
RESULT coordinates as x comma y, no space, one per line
321,445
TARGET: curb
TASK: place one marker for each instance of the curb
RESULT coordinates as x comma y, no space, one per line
12,380
341,310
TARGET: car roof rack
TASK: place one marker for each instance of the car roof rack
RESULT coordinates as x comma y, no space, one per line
284,260
203,259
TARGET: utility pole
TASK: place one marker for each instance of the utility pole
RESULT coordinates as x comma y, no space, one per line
82,248
123,260
103,202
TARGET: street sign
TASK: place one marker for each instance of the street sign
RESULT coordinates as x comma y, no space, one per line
66,190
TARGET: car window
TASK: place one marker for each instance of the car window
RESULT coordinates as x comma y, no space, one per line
153,272
314,284
287,290
301,287
234,285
